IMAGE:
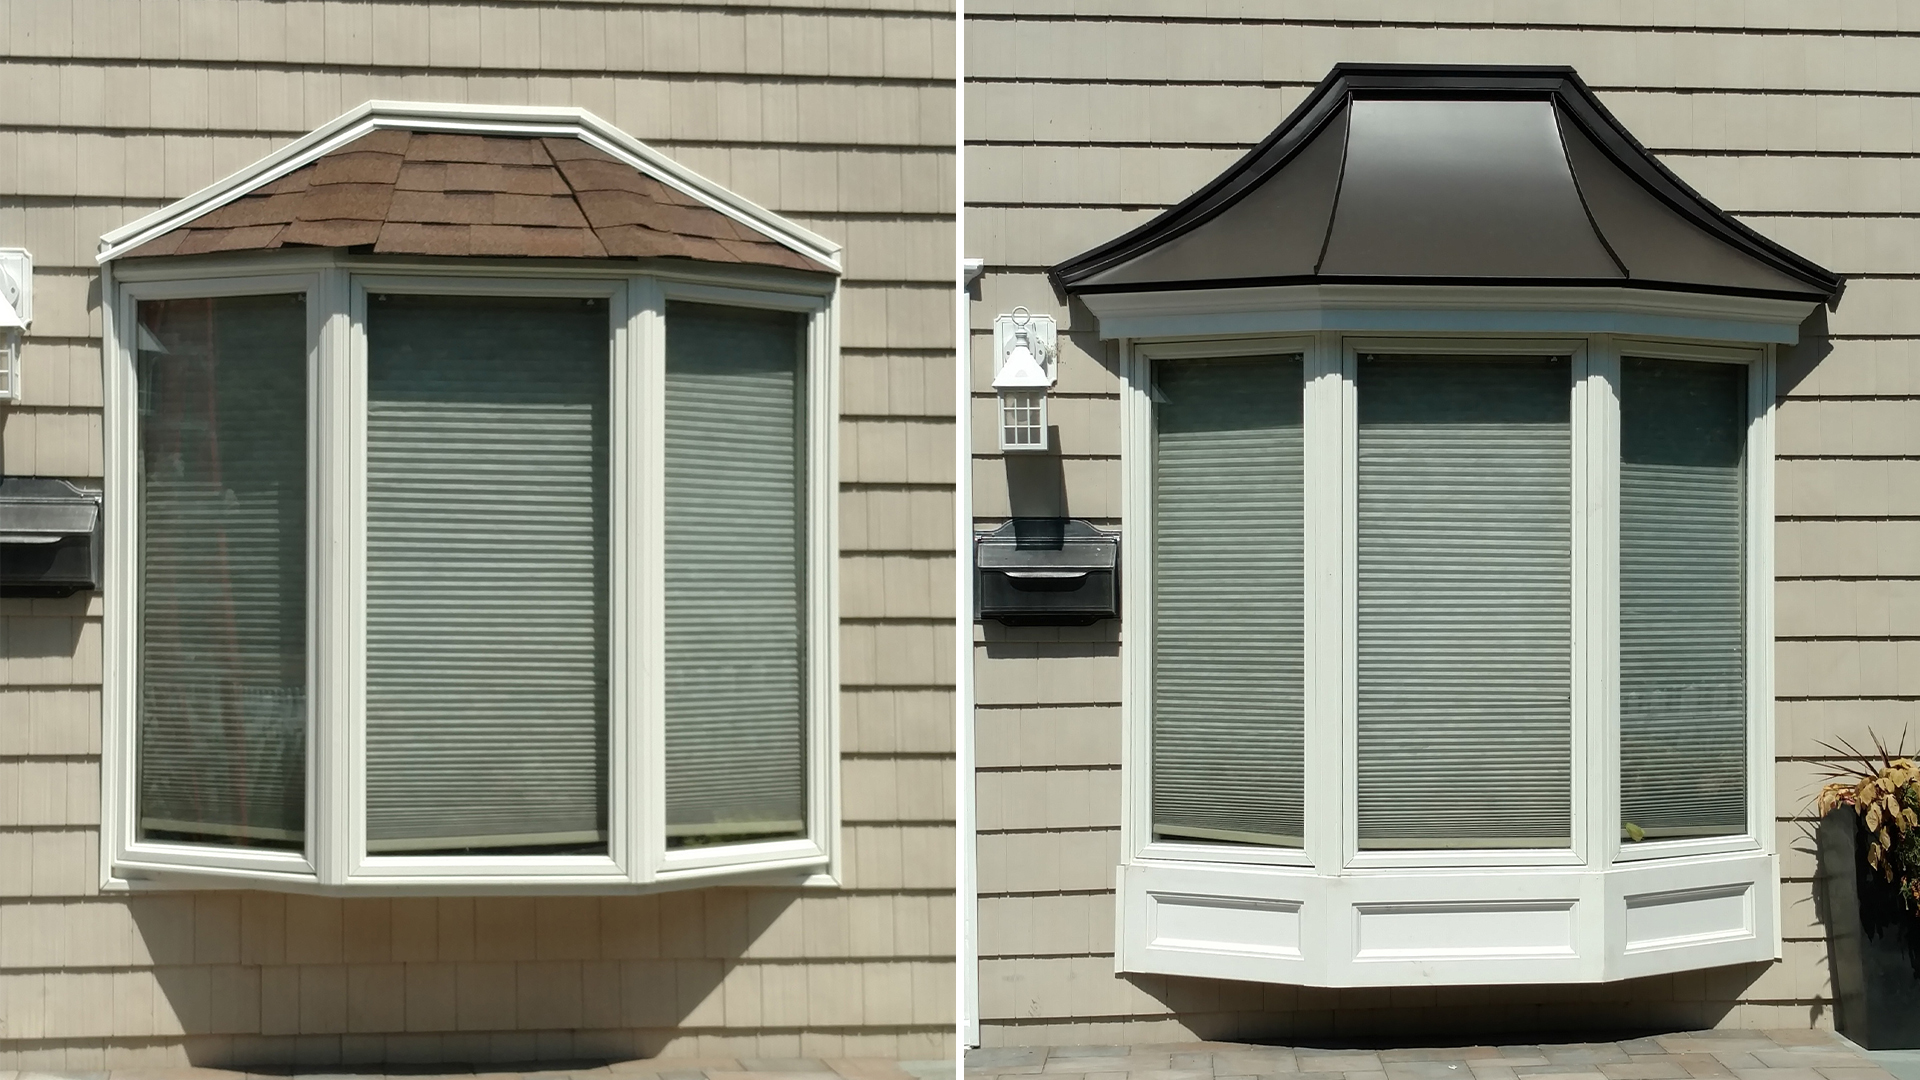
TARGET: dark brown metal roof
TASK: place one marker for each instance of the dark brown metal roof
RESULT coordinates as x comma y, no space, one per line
433,193
1419,174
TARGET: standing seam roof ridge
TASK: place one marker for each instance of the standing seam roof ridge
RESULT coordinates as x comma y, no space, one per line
1129,244
1339,179
1643,166
1560,129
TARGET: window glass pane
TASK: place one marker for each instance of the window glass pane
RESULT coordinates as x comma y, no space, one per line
487,541
735,586
223,570
1465,617
1227,586
1683,721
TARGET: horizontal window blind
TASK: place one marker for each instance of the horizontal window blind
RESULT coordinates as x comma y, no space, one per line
735,589
1683,715
223,570
1227,600
487,574
1464,683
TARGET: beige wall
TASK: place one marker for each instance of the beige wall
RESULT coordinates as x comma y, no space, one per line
838,118
1801,118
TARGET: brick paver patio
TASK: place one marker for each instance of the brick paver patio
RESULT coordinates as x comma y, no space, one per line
648,1069
1735,1055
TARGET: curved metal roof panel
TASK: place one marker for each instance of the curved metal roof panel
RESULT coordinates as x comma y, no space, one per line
1415,174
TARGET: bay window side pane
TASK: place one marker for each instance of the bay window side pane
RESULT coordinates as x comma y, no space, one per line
735,587
222,695
1464,705
487,575
1683,715
1228,664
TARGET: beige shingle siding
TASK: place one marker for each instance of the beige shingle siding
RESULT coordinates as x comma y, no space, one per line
840,118
1810,137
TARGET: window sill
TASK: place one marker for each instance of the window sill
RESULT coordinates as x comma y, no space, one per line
1450,927
169,871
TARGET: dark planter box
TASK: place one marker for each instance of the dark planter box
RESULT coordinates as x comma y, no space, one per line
1873,943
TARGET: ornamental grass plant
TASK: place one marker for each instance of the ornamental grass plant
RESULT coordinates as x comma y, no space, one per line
1883,787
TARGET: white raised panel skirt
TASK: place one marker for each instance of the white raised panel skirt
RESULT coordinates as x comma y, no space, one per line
1448,927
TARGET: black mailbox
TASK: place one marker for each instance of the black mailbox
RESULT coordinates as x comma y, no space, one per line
49,537
1046,572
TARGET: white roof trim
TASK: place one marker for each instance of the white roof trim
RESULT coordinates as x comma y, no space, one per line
522,120
1529,309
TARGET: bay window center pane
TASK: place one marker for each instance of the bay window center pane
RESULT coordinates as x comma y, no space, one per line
487,574
1465,602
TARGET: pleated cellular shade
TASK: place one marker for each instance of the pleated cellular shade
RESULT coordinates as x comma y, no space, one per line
1682,602
487,574
223,570
1464,602
1227,600
735,546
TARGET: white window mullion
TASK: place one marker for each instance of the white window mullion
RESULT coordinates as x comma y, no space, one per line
1136,581
623,389
1327,410
1348,530
120,638
1596,600
822,537
646,759
1136,600
1760,587
346,591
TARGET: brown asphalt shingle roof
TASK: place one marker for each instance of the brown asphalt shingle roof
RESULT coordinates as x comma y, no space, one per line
428,193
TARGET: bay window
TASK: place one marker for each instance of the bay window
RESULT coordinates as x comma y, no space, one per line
1443,675
423,577
1447,483
470,479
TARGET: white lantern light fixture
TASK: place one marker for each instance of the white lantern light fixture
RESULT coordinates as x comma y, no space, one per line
16,311
1025,346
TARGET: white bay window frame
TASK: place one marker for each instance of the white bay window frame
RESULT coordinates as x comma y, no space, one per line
1328,913
335,857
